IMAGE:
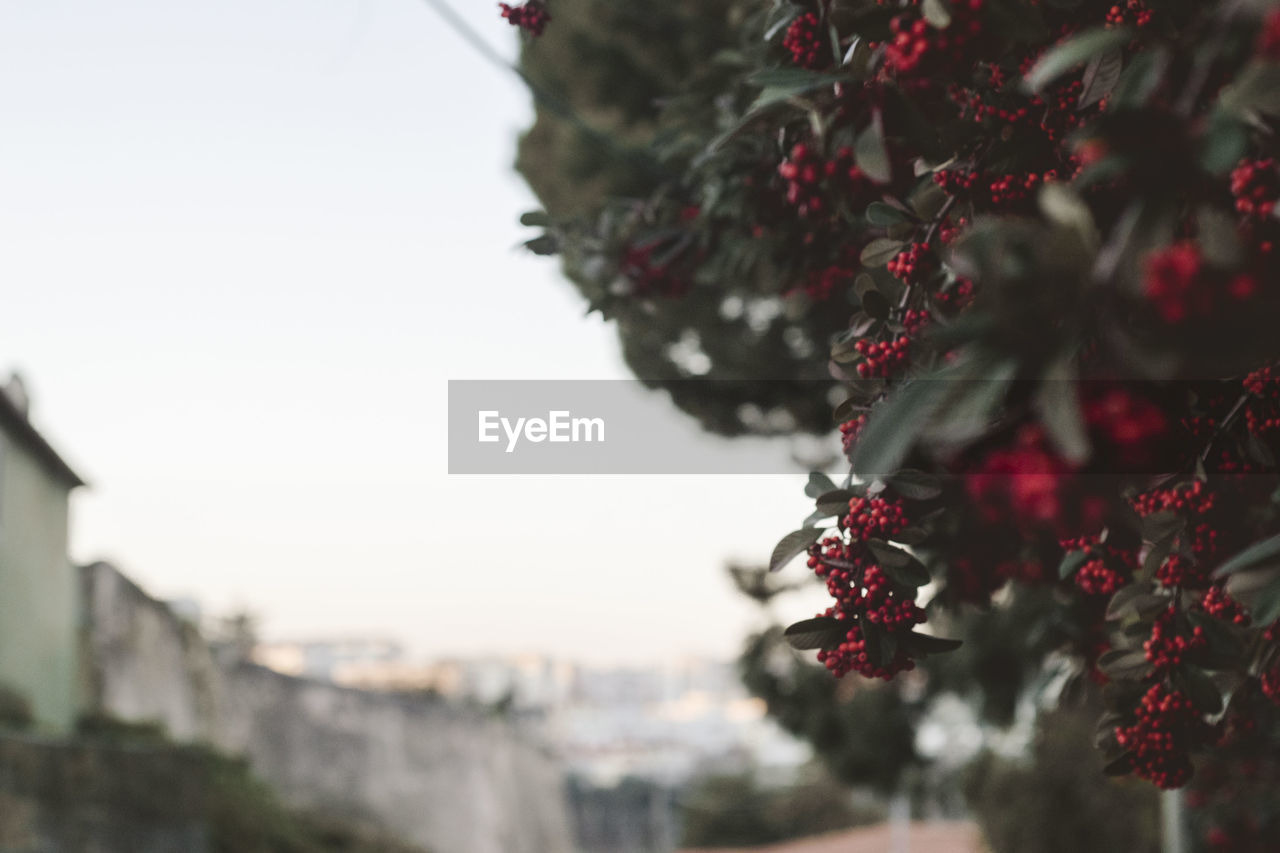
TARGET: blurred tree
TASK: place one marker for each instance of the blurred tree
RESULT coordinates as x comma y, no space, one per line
740,811
1054,801
620,82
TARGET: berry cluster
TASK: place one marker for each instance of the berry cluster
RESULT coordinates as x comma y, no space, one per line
803,42
812,182
1174,283
1180,571
1130,12
531,16
1028,483
1220,605
1255,184
1195,503
914,264
1168,647
1106,567
1127,428
1270,682
914,320
849,432
883,359
1268,46
819,284
1180,287
872,604
1165,731
917,51
854,655
874,518
1262,413
650,276
1095,577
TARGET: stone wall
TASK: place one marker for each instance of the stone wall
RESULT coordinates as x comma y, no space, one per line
448,778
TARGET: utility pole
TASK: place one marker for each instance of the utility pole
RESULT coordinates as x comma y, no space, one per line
1173,819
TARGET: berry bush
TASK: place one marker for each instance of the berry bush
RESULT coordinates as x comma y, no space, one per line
1024,252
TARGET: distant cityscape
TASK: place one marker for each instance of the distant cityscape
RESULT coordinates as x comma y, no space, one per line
664,724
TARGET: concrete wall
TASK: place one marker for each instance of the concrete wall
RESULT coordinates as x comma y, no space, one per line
447,778
38,607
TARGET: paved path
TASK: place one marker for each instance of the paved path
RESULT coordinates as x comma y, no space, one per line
923,838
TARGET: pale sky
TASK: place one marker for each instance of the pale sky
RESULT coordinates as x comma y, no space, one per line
243,247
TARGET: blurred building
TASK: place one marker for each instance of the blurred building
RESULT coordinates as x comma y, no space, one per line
664,724
326,660
39,610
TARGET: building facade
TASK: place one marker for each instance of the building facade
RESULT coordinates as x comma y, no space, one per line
39,588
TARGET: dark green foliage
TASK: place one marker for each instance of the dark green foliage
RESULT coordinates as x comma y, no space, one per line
1055,801
15,709
740,811
863,732
245,816
241,812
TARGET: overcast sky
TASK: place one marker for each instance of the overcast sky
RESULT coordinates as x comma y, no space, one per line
243,247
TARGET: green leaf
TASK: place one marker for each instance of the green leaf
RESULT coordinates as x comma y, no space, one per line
888,644
785,15
914,485
544,245
1058,406
888,555
1219,238
880,251
899,565
819,484
1259,552
1224,640
978,393
883,215
1200,689
1258,589
892,427
870,152
793,545
875,305
836,502
1061,205
1136,598
781,84
1124,664
911,536
1256,89
1140,80
1079,49
821,632
1223,145
921,645
1071,563
936,13
1100,77
928,201
1119,766
1162,525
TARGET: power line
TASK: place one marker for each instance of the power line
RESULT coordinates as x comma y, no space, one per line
542,97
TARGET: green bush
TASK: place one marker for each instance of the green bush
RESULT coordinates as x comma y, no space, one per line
15,709
737,810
